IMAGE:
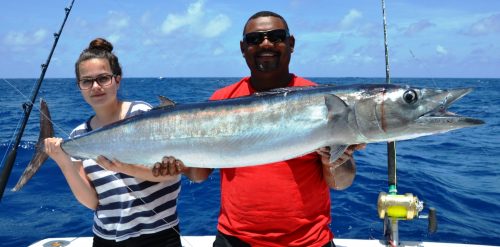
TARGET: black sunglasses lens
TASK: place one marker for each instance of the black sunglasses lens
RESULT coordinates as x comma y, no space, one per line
254,38
276,35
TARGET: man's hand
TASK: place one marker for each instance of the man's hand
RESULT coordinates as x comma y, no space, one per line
347,155
339,174
168,169
168,166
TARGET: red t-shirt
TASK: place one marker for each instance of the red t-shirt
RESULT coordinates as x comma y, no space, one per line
285,203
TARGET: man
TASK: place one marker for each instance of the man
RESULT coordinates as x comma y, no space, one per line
285,203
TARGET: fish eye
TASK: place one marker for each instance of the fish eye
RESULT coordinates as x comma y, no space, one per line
410,96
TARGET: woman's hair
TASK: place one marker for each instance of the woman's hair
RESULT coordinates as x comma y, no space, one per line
99,48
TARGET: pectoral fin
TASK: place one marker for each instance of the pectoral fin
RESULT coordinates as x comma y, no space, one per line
336,151
337,108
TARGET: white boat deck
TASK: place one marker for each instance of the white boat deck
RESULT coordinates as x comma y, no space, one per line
206,241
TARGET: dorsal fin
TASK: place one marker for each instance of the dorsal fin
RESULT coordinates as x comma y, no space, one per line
282,90
164,101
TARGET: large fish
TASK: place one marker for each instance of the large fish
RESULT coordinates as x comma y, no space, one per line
272,126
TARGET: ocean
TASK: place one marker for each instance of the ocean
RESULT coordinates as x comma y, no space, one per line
457,173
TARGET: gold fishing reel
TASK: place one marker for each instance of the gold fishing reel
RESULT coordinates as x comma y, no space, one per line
404,206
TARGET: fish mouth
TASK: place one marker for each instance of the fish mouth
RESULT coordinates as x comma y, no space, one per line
441,116
449,119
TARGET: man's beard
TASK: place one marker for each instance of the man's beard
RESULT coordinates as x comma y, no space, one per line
267,60
267,66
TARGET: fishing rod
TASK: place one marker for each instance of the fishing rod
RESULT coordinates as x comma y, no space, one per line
391,146
27,107
393,207
391,230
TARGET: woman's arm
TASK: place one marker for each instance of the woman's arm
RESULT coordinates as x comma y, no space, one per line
73,172
168,169
134,170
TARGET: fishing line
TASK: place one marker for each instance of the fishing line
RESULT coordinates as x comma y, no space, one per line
116,177
81,148
11,157
434,82
11,140
36,108
138,197
28,106
424,65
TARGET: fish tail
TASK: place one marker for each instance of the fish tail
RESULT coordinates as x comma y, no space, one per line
39,157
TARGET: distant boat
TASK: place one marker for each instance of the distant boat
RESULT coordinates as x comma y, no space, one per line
161,78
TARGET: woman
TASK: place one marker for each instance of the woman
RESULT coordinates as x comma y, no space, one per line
133,206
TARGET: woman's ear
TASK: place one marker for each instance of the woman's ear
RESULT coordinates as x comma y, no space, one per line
118,79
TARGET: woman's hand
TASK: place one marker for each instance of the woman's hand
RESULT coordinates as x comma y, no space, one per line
52,147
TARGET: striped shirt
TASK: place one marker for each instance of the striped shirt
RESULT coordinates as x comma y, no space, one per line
129,207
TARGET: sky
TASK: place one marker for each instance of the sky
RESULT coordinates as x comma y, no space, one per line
200,38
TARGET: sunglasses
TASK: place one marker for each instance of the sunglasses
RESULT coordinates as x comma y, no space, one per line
102,80
274,36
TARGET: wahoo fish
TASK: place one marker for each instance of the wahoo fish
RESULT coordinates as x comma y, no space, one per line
269,126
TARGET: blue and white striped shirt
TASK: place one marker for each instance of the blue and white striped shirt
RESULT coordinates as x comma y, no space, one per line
129,207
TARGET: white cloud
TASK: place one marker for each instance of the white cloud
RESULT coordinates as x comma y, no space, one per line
24,39
350,18
336,59
441,50
362,58
490,24
417,27
118,20
216,26
149,42
39,35
174,22
114,38
218,51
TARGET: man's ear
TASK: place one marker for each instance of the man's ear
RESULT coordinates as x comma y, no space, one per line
291,42
242,47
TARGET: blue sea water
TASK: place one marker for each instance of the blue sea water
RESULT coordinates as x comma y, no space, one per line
457,173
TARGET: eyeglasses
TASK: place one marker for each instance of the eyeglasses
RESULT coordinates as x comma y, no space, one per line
274,36
102,80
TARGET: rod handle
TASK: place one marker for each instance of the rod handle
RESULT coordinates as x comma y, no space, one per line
432,220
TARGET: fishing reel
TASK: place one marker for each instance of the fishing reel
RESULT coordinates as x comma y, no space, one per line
404,207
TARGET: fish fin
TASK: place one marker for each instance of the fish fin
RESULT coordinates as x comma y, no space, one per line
39,157
336,106
336,151
282,90
164,101
337,109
